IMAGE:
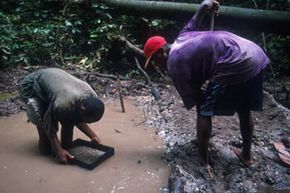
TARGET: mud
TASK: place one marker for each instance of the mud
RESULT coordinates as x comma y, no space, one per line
176,127
137,165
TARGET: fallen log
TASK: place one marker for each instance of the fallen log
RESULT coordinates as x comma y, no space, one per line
229,17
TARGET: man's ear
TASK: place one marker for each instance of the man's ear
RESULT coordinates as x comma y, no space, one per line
160,51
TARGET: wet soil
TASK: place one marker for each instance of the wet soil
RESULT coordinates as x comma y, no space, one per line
176,126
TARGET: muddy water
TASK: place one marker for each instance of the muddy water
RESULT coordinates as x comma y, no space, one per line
136,167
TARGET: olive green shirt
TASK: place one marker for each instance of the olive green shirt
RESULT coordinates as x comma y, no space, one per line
60,94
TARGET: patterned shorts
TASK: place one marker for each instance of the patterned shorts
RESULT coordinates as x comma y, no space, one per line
225,100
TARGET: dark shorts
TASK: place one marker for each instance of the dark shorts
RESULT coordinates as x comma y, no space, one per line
225,100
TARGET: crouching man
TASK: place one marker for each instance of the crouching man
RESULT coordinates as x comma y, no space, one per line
53,96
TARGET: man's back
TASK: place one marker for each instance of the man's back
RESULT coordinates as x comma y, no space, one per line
217,56
56,86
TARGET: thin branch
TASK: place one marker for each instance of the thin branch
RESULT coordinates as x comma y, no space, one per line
120,94
132,47
255,4
111,76
145,119
139,67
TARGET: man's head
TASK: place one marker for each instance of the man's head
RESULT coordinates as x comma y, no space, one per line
156,51
91,109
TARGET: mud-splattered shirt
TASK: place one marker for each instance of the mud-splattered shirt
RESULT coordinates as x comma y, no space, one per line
217,56
60,93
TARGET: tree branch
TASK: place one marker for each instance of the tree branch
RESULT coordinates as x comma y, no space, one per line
132,47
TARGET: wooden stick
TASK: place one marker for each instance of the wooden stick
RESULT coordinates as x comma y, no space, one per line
139,67
110,76
120,94
212,20
154,90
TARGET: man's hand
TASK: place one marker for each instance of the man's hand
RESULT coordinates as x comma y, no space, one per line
211,5
96,140
89,132
61,154
64,156
207,6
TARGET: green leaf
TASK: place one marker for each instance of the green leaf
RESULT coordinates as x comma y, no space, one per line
68,23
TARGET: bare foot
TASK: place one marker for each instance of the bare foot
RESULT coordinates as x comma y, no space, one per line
206,171
209,171
242,159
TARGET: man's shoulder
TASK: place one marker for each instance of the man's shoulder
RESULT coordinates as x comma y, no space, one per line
190,44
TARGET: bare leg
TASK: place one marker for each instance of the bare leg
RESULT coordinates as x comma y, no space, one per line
204,128
246,126
43,142
66,135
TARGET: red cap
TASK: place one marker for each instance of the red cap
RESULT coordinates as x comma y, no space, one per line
152,45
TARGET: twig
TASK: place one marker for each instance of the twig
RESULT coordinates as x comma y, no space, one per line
139,67
145,119
111,76
255,4
117,131
159,71
63,12
120,95
154,90
212,21
61,57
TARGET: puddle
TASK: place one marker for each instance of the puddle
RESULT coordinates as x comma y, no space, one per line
136,166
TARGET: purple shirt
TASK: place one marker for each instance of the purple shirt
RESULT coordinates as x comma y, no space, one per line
217,56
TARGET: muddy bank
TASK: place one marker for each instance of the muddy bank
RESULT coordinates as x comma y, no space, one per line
176,126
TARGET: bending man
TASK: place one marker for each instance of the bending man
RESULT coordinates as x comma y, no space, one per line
230,66
53,96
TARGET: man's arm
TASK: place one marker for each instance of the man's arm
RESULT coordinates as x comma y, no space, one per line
207,6
88,132
62,154
51,123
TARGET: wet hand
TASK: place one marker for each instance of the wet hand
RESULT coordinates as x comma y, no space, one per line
64,156
96,140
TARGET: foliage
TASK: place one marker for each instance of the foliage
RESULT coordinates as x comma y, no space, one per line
278,48
53,32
